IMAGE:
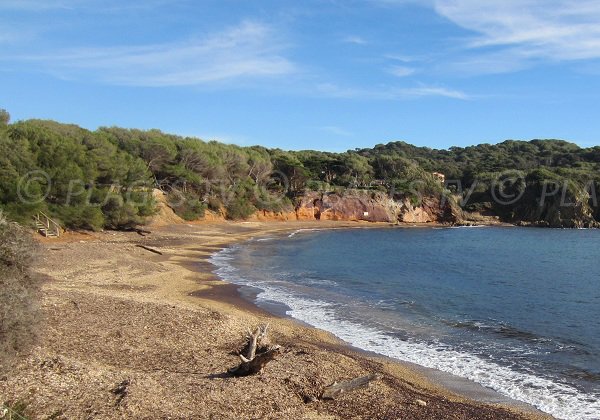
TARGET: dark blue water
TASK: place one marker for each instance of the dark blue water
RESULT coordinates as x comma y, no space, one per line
515,309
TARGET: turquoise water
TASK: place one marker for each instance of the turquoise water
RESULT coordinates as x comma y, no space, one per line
515,309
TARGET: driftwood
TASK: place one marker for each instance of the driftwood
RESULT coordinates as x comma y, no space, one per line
336,389
256,353
147,248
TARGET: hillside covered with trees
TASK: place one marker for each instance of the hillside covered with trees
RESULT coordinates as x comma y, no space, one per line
104,178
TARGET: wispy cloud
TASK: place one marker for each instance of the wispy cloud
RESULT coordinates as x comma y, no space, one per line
248,50
96,6
401,57
336,130
403,2
389,93
7,36
506,61
401,71
522,32
559,29
421,91
36,5
354,39
511,35
12,35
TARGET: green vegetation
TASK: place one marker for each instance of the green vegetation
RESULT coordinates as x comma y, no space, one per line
104,179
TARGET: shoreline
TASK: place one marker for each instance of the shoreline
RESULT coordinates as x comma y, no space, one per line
168,327
460,386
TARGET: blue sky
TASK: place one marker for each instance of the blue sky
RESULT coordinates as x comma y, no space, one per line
327,75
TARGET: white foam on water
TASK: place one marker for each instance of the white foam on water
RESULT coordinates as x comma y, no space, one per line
467,227
294,233
560,400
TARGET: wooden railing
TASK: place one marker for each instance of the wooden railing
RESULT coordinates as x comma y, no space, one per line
46,226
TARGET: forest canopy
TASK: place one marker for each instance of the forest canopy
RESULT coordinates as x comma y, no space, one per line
104,178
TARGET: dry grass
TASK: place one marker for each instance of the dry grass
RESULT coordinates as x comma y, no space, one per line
19,292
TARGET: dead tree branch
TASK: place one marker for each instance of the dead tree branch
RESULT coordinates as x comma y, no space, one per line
256,353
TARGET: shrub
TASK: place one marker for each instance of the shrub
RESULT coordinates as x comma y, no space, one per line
86,217
186,205
214,204
274,203
19,292
120,213
239,208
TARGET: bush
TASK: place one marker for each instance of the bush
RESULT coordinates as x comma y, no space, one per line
214,204
87,217
19,292
186,205
239,208
144,202
120,214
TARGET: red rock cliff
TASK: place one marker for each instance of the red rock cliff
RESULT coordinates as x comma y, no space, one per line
374,207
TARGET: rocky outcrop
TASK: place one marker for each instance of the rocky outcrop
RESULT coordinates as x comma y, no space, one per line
353,205
430,209
359,205
270,216
575,214
375,207
566,208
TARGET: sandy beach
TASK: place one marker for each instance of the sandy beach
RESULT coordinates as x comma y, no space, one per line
129,333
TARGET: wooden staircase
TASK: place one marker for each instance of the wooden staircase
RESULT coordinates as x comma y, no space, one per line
46,226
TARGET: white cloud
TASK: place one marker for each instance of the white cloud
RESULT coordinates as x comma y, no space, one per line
403,2
12,35
422,91
401,57
389,93
336,130
96,6
35,5
511,35
401,71
246,51
527,30
488,63
7,36
354,39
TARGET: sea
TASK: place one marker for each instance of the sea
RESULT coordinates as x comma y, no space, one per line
514,309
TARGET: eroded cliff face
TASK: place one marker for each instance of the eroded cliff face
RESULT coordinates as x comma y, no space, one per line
564,208
349,206
572,211
375,207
